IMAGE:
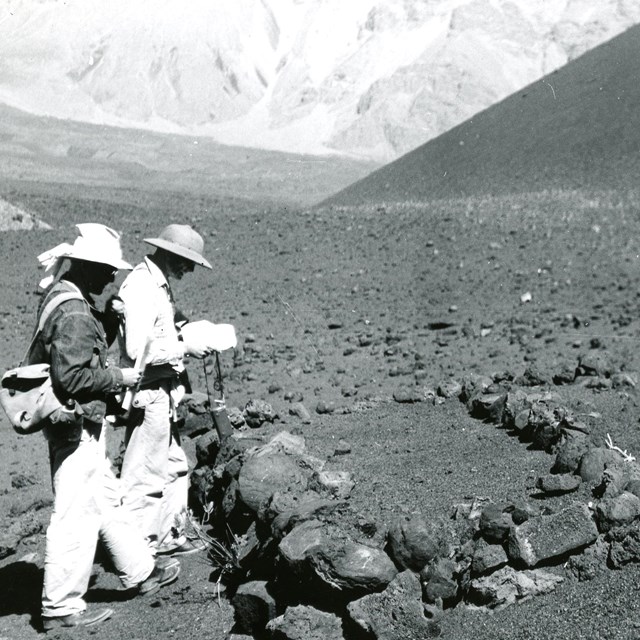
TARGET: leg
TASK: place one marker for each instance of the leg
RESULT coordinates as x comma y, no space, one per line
75,521
174,505
128,549
145,464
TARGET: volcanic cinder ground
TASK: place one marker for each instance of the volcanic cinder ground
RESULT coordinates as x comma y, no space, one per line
337,301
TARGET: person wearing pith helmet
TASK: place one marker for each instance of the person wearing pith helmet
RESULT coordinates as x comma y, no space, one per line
154,467
73,339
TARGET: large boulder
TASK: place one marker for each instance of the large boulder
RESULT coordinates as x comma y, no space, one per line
624,545
618,511
488,406
488,558
594,462
305,623
286,510
495,523
396,613
439,581
413,542
558,483
264,473
572,446
545,537
326,556
254,606
508,586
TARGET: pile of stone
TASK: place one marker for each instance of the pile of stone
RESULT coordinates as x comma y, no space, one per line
302,564
610,519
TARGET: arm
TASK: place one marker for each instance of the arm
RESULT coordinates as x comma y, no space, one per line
76,372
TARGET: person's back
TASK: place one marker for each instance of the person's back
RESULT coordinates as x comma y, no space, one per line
74,342
155,468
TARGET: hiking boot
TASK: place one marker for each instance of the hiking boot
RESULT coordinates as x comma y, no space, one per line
165,571
185,549
81,619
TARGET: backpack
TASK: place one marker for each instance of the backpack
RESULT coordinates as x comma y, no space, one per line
26,394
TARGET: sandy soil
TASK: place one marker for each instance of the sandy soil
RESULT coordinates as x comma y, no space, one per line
339,306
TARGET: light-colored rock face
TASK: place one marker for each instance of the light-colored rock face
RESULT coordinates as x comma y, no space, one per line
13,218
369,77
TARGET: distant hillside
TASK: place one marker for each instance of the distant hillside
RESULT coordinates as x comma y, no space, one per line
49,150
579,127
372,79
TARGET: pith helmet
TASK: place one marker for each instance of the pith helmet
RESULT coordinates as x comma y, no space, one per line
182,240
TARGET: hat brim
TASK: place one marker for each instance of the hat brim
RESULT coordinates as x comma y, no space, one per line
112,262
179,250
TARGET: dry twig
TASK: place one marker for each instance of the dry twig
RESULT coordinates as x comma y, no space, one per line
627,456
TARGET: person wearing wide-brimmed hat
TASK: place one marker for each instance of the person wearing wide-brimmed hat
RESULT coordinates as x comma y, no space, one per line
154,468
74,342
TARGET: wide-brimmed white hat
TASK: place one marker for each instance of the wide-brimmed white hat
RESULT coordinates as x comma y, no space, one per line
95,243
182,240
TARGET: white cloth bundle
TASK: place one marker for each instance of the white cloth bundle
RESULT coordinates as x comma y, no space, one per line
203,335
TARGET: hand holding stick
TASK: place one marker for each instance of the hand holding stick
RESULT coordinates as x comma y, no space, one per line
140,365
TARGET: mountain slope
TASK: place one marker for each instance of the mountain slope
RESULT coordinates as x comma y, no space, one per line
577,127
370,78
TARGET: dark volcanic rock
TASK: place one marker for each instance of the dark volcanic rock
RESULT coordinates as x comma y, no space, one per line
508,586
207,447
413,542
337,484
439,579
396,613
625,545
254,606
545,537
286,510
299,410
305,623
408,395
593,560
594,461
488,557
262,475
595,363
533,377
257,412
618,511
495,523
553,484
573,445
336,561
488,406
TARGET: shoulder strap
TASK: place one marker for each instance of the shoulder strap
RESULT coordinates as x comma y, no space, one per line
48,309
55,302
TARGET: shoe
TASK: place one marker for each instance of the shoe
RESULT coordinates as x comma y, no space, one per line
165,572
185,549
81,619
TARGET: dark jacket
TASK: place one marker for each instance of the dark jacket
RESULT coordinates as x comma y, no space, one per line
73,341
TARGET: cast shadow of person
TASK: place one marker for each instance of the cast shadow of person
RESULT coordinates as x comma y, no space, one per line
21,590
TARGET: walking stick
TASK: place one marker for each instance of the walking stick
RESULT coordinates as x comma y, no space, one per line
217,406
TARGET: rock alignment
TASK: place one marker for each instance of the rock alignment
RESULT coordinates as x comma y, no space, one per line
300,565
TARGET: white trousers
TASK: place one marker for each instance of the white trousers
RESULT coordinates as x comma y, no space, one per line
86,505
154,476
